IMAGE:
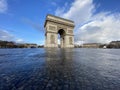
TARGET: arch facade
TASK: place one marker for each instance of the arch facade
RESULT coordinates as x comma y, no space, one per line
55,25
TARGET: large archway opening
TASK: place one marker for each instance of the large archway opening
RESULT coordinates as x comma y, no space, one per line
61,38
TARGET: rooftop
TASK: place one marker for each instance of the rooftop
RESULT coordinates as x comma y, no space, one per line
58,19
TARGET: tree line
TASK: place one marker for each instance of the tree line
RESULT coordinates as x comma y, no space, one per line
11,44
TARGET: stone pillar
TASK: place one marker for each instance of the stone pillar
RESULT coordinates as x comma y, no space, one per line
69,41
51,40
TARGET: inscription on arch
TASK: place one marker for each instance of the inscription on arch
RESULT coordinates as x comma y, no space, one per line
52,27
70,31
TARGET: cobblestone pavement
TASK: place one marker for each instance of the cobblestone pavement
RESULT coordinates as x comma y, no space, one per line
59,69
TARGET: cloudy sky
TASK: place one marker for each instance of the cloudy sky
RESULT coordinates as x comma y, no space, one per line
95,20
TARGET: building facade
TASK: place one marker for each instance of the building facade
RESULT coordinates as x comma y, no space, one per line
91,45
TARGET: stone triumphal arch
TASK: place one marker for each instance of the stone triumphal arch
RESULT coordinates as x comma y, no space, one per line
55,25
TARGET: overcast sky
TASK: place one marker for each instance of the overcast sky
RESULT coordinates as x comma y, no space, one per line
95,20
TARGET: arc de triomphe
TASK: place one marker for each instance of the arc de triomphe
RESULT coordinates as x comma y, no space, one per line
55,25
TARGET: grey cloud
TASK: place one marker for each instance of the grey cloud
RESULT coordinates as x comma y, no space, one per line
3,6
4,35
